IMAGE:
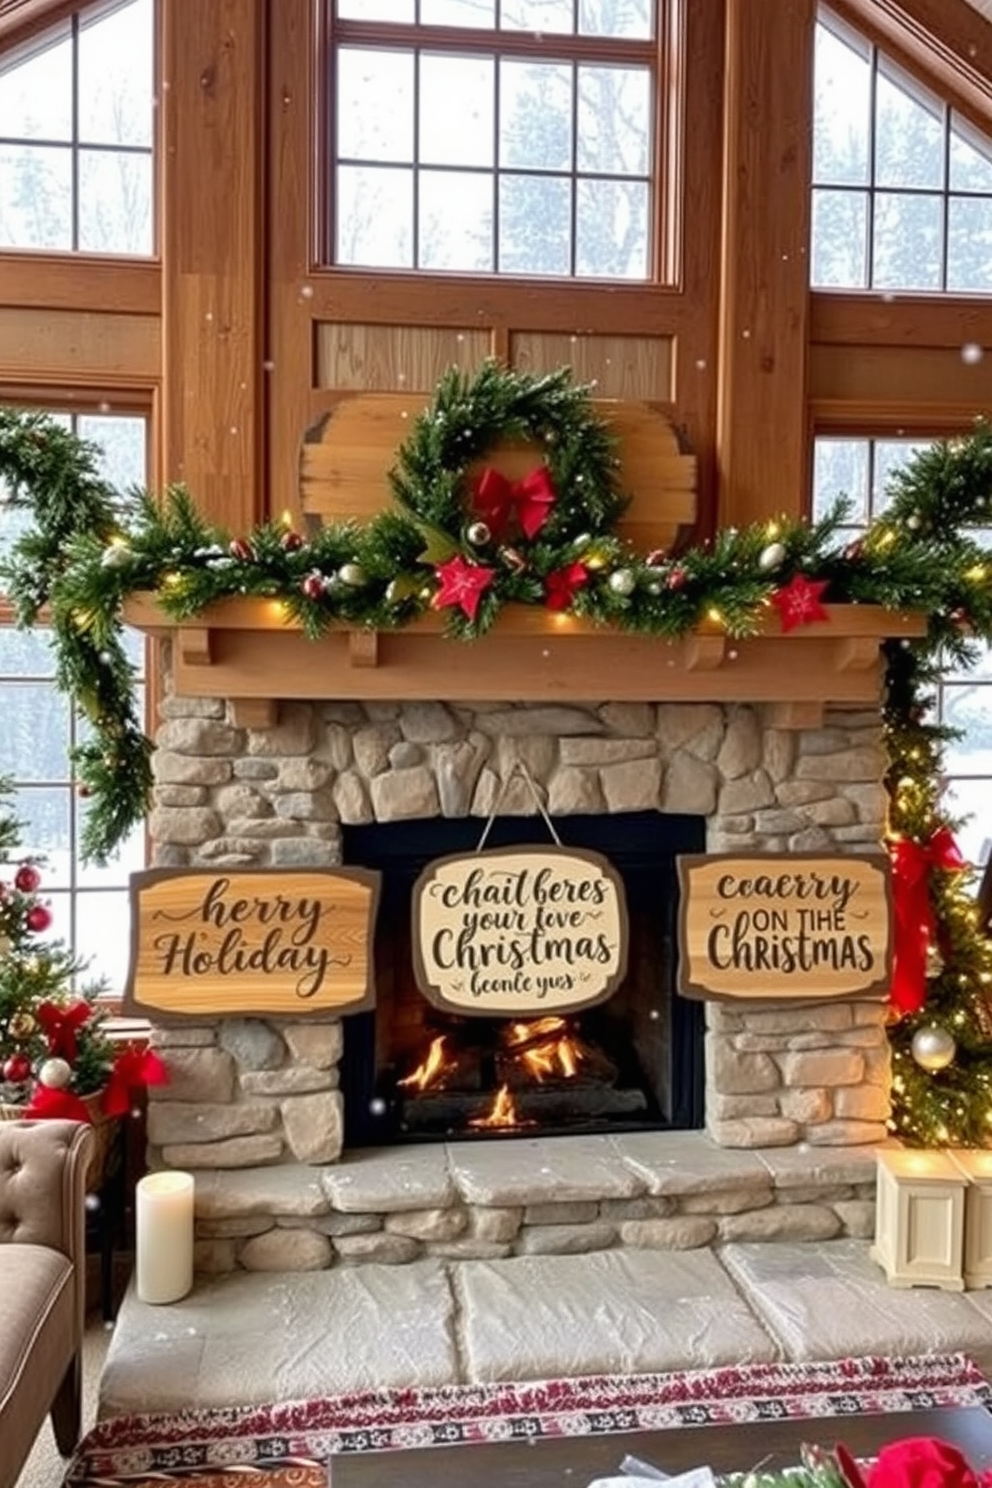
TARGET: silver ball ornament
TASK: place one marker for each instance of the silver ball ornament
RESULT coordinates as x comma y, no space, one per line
117,555
622,581
352,574
771,557
933,1048
55,1074
478,534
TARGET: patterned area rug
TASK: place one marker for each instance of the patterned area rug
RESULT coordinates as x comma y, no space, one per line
283,1446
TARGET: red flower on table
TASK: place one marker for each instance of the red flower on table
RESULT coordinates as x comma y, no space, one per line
798,601
923,1462
462,585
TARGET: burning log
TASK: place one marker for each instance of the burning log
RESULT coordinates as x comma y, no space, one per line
444,1067
565,1108
547,1051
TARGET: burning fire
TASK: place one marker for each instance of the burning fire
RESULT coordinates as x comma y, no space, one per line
431,1069
552,1052
503,1112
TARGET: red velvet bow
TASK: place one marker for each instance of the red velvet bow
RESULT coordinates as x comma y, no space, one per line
497,500
55,1105
912,864
922,1462
561,584
132,1069
61,1024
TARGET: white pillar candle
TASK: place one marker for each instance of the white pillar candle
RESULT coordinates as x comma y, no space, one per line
164,1236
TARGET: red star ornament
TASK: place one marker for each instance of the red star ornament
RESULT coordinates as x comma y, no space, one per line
798,602
462,584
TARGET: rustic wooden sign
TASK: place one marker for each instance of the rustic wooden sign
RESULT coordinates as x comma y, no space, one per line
784,926
519,931
277,941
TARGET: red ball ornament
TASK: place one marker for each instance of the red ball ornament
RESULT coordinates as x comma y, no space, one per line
84,791
655,558
241,549
854,550
27,878
290,542
16,1069
313,585
677,578
39,918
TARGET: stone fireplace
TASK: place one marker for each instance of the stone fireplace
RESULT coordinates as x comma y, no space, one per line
273,1115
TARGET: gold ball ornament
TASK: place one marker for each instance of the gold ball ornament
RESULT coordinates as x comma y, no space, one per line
933,1048
22,1026
353,574
771,557
55,1074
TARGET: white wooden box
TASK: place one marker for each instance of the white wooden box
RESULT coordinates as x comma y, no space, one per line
919,1219
977,1168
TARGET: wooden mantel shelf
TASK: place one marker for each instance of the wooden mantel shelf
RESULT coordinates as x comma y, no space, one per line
247,651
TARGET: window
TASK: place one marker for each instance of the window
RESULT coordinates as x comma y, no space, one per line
495,136
76,134
902,184
89,904
859,469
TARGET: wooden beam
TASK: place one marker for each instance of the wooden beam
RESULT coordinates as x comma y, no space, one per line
768,99
212,255
254,713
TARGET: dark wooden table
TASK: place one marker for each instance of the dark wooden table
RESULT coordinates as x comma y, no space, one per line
572,1462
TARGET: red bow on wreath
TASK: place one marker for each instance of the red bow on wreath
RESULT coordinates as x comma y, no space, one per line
530,499
61,1024
131,1069
912,863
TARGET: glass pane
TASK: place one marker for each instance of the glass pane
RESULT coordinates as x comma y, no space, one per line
535,225
969,244
842,111
374,216
981,671
536,15
129,858
34,740
616,18
456,221
103,936
840,468
374,105
458,13
135,648
909,142
45,832
970,159
35,197
890,455
840,239
968,706
25,653
376,10
14,522
970,799
115,202
456,88
612,229
36,92
906,246
115,76
535,115
614,120
121,442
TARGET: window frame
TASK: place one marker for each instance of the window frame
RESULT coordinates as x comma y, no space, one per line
664,54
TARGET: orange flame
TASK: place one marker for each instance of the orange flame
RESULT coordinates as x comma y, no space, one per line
431,1070
503,1112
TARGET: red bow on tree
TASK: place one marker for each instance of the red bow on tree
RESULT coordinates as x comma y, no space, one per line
912,864
131,1069
61,1025
530,499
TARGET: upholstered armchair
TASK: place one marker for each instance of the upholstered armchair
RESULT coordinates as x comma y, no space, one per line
43,1168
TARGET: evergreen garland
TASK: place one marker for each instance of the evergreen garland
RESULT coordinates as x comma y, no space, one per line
90,548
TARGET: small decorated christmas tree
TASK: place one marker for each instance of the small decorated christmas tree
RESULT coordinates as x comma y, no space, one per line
56,1057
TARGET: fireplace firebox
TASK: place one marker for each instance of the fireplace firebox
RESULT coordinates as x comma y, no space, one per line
414,1073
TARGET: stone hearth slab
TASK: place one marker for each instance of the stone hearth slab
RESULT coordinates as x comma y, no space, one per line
831,1301
533,1172
677,1163
391,1180
613,1312
246,1338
